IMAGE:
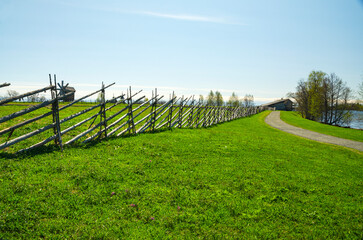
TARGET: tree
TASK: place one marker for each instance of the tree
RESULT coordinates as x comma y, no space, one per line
316,94
33,98
12,93
248,101
302,98
99,97
324,98
219,99
360,91
211,100
201,99
233,100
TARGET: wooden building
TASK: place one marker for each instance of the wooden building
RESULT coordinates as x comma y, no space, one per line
281,104
66,90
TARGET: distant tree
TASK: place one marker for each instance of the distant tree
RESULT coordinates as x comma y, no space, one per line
324,98
301,97
219,98
12,93
336,96
248,101
316,93
360,91
99,97
233,100
33,98
211,99
201,99
42,98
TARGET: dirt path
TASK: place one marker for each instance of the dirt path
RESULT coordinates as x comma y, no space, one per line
273,119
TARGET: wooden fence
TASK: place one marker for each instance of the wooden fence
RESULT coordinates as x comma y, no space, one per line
121,115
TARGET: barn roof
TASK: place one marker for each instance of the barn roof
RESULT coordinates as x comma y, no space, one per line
70,89
275,102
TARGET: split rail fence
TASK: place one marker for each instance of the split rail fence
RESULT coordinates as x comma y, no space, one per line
126,114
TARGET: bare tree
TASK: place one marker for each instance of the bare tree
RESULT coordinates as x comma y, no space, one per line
12,93
360,91
248,101
33,98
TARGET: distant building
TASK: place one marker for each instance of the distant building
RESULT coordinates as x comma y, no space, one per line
281,104
70,98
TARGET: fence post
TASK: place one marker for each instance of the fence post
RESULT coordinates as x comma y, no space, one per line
170,117
55,113
191,112
103,122
180,112
131,114
156,106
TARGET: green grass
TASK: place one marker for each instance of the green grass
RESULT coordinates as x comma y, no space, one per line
295,119
237,180
14,107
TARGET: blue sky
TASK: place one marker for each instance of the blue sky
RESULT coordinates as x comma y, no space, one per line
249,47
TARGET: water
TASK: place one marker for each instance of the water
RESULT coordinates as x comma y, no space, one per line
357,120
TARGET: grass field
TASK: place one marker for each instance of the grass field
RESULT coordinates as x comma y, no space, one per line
117,116
295,119
238,180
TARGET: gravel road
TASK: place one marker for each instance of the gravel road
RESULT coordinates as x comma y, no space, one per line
273,119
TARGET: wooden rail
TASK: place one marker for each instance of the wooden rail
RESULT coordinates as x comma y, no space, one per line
130,117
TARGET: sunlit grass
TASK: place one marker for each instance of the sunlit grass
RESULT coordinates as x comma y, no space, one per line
241,179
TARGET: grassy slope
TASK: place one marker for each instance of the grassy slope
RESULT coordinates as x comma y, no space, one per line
241,179
295,119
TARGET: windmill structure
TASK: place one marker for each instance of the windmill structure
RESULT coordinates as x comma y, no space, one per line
64,89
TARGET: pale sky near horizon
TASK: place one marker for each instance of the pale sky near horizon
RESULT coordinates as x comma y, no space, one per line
257,47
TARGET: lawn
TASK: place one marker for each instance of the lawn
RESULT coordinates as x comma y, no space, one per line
238,180
295,119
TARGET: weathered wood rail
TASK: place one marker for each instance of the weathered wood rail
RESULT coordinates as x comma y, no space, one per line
121,115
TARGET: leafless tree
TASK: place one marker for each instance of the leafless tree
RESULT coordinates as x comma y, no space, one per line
12,93
248,101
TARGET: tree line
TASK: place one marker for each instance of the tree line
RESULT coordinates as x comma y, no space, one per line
213,99
324,98
216,99
32,98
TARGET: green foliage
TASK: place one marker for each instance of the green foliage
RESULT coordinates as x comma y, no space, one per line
238,180
211,99
219,99
315,86
201,99
233,100
295,119
324,98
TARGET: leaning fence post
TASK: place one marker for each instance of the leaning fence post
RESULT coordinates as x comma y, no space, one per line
191,112
170,117
131,114
55,113
103,122
156,106
180,112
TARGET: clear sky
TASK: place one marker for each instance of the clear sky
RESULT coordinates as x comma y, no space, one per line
258,47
